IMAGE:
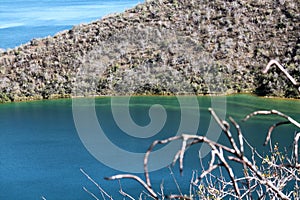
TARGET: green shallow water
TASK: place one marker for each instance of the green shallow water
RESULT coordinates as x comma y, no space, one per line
41,152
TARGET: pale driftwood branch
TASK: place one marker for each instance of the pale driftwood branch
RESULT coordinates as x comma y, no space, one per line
206,172
181,155
249,191
255,177
296,141
275,112
213,158
272,128
90,193
124,193
229,170
191,183
274,62
138,179
146,172
185,138
260,176
175,181
225,127
178,197
195,139
240,135
162,188
96,184
244,160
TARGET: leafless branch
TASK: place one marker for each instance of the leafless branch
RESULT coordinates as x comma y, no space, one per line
275,112
272,128
162,188
90,193
240,135
254,177
296,143
138,179
274,62
260,176
148,183
175,181
96,184
178,197
209,170
290,121
124,193
226,129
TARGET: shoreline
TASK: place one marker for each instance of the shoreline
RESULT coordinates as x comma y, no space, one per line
149,95
186,50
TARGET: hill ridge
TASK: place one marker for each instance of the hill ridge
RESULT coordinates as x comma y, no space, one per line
231,40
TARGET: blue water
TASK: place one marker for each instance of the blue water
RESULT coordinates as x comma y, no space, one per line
41,153
23,20
40,150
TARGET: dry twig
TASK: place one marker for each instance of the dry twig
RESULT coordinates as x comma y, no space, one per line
219,160
274,62
96,184
138,179
269,112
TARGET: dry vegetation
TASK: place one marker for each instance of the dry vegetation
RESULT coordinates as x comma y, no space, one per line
238,35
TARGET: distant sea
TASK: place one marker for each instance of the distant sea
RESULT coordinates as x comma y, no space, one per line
23,20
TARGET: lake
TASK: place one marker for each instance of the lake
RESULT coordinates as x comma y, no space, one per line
42,147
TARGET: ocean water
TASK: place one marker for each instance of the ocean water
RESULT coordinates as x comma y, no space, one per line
23,20
41,152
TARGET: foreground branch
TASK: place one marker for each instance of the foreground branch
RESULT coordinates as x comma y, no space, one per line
267,181
275,112
274,62
219,160
138,179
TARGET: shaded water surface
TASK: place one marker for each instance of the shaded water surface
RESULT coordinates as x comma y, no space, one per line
41,153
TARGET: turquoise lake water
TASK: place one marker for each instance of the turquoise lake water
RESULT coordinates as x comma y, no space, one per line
41,152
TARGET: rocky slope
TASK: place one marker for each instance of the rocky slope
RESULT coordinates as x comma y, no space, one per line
162,47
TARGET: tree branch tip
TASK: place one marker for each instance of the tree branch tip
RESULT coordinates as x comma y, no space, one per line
177,197
181,171
245,118
173,164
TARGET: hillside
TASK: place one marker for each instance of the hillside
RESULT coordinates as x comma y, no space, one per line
162,47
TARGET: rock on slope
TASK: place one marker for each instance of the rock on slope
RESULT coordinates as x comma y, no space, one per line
162,47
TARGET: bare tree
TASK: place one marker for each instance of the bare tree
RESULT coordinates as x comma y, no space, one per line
270,179
258,182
